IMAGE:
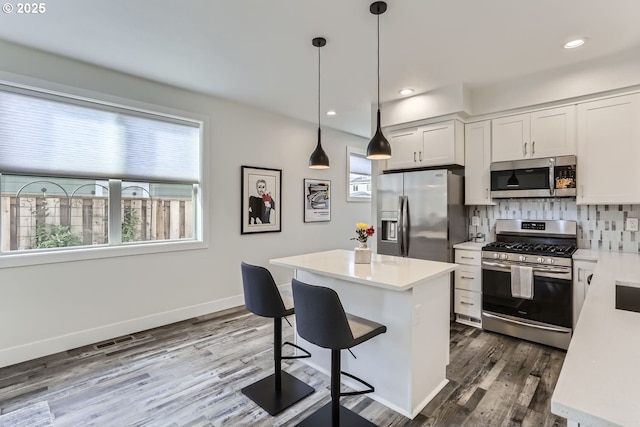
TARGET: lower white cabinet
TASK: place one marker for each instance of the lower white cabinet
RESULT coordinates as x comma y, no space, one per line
467,292
582,270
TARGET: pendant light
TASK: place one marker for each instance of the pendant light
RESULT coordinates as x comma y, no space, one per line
378,148
319,159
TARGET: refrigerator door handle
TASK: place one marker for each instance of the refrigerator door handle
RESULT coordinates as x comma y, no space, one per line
405,226
400,224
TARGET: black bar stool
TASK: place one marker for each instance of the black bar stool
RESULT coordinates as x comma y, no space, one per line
279,390
321,320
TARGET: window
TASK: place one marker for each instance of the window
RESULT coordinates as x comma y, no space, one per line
79,173
358,175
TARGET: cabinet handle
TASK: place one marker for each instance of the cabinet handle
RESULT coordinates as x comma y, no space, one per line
486,190
582,190
414,156
524,149
467,277
533,148
420,155
466,257
466,303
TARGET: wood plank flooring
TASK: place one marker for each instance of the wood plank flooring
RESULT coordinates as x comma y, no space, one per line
189,374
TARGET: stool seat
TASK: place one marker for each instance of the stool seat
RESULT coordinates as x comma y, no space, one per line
364,329
321,320
280,390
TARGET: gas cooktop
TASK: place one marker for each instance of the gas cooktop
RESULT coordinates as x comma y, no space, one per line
564,251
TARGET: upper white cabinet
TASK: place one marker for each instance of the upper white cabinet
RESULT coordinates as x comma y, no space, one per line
477,170
544,133
405,145
608,151
437,144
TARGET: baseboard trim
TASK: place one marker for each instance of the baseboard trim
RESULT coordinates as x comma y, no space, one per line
36,349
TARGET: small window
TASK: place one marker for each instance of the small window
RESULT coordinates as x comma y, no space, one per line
358,176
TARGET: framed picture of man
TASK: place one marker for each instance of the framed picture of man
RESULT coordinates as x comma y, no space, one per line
317,200
261,200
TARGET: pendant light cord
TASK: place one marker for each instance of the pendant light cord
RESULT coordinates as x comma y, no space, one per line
318,87
378,62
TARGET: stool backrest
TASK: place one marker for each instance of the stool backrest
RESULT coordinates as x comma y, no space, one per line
320,317
261,295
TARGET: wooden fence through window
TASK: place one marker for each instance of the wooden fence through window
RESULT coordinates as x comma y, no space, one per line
87,219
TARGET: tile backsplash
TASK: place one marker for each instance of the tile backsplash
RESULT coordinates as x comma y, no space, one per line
599,226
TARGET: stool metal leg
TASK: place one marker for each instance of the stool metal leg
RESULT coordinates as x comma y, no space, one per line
335,388
277,353
279,390
333,414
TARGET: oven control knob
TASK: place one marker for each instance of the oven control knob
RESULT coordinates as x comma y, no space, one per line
504,256
522,258
550,261
540,260
496,255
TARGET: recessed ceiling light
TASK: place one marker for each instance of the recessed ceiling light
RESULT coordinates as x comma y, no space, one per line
331,113
406,91
574,43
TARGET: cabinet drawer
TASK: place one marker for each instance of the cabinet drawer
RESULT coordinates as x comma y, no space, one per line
468,303
469,277
468,257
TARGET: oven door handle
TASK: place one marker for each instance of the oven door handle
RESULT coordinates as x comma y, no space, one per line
545,328
535,269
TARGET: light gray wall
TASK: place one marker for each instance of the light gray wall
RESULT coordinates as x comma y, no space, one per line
52,307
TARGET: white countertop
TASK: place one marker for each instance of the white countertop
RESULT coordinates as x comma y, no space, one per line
470,246
385,271
599,383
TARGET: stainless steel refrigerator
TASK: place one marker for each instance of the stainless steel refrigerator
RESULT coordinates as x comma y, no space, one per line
421,214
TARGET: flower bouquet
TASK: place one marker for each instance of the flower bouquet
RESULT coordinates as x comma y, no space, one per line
363,253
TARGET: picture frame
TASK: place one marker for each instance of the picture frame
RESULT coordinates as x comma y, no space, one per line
261,200
317,200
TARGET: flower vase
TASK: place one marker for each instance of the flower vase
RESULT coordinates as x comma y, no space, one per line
362,254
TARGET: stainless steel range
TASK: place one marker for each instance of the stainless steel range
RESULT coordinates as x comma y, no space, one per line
542,250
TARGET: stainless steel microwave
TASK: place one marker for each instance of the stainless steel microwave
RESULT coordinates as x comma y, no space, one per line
546,177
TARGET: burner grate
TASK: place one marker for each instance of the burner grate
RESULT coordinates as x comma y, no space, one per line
532,248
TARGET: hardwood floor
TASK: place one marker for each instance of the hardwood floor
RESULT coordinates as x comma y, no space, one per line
189,375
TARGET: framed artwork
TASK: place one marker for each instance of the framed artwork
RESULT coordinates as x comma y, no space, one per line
317,200
261,200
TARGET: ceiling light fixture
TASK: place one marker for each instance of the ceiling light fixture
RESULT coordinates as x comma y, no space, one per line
378,148
319,159
406,91
574,43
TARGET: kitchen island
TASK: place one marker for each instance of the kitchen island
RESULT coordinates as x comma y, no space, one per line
411,297
599,382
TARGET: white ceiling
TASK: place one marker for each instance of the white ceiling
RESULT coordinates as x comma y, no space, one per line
259,52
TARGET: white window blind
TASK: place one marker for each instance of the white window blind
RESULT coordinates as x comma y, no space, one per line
49,135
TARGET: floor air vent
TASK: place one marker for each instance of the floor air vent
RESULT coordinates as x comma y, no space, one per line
113,342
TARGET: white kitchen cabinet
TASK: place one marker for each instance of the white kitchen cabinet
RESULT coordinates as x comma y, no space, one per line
543,133
437,144
467,291
581,272
477,159
608,151
405,145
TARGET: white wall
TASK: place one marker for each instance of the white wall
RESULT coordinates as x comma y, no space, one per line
617,72
53,307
